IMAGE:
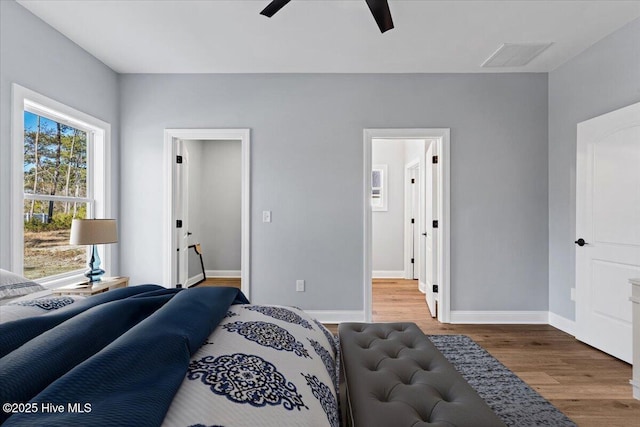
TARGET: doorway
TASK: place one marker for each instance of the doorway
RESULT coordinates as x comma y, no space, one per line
439,141
186,150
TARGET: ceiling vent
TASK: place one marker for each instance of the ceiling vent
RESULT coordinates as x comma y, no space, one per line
515,54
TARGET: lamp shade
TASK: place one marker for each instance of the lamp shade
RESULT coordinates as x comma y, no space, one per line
93,231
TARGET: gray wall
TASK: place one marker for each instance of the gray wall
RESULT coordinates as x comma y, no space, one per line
601,79
221,202
307,168
414,149
215,204
36,56
387,227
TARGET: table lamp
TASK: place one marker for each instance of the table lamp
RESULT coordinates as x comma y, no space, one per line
93,232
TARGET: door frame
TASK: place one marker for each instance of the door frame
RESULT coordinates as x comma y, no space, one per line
169,253
408,232
442,141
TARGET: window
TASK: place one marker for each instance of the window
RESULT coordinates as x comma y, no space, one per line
379,188
62,158
55,192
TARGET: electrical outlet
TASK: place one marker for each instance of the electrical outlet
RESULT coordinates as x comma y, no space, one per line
266,216
299,285
573,294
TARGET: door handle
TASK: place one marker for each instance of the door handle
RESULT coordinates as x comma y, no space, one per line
424,234
580,242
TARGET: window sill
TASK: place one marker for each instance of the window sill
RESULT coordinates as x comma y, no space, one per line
54,282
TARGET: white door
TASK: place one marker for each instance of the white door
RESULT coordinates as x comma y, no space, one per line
430,232
182,213
607,228
415,212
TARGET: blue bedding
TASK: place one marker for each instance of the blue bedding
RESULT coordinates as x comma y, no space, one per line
14,334
119,361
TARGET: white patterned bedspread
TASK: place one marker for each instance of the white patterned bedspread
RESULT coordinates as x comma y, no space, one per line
262,366
35,305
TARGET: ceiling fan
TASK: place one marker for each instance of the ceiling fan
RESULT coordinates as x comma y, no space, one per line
379,10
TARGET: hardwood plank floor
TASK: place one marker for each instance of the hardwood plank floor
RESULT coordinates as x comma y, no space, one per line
589,386
233,282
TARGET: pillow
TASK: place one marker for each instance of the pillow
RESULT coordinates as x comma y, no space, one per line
13,285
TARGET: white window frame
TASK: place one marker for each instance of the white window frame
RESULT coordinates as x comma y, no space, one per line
384,206
98,179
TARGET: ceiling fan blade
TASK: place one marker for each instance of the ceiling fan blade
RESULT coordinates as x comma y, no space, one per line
381,13
274,7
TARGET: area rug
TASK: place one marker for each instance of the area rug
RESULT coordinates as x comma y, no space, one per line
508,396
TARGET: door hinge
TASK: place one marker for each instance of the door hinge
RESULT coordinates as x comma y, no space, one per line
178,159
179,223
178,286
434,160
413,220
413,180
435,289
435,223
412,261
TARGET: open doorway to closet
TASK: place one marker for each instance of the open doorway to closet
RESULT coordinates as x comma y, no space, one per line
207,207
407,214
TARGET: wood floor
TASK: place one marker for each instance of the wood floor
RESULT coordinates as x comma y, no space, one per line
233,282
590,387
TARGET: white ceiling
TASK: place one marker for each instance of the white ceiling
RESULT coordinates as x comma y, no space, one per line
327,36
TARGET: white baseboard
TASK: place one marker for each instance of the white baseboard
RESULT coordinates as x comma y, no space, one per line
337,316
562,323
387,274
193,280
636,389
500,317
223,273
422,287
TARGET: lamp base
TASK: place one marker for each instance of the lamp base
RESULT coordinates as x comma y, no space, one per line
94,274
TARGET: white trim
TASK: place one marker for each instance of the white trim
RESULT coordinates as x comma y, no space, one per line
169,250
636,389
46,197
562,323
63,279
422,287
100,133
388,274
224,273
442,139
500,317
194,279
336,316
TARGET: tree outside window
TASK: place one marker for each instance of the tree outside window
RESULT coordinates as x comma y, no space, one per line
55,192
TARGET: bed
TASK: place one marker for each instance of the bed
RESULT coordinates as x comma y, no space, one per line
21,297
146,355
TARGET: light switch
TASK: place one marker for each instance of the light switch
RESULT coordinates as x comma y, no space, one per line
266,216
300,285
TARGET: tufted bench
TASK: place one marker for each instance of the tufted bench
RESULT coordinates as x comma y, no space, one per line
395,377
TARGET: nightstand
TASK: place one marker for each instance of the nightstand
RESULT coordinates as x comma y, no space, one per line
86,289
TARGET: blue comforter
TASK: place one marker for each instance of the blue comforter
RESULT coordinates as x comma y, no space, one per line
116,363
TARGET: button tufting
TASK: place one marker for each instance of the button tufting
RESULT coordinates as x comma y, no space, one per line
413,380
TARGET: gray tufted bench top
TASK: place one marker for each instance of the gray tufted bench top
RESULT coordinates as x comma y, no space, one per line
396,377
